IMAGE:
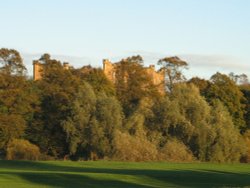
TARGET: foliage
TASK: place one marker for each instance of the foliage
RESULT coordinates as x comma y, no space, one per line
19,149
175,151
58,90
224,89
80,114
245,89
246,157
133,148
173,67
133,83
11,61
12,126
97,79
228,145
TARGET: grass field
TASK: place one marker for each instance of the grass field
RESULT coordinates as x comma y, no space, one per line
121,174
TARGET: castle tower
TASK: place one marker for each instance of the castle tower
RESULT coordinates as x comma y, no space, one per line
109,70
37,70
158,77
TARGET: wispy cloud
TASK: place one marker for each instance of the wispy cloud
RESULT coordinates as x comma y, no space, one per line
200,65
203,65
216,61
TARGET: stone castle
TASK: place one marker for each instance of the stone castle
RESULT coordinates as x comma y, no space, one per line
157,77
109,70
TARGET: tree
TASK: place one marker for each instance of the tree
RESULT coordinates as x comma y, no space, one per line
224,89
241,79
110,117
90,127
196,131
133,83
78,121
173,67
17,98
11,61
245,89
227,145
11,127
58,89
202,84
97,79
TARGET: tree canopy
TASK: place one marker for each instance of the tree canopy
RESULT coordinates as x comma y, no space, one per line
80,114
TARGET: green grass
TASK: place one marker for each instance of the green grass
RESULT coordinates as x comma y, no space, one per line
121,174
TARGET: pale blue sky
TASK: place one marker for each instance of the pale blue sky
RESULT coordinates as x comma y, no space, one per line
211,35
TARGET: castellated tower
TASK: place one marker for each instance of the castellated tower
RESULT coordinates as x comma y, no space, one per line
37,70
109,70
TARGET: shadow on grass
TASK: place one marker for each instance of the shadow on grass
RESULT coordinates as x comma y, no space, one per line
69,180
66,176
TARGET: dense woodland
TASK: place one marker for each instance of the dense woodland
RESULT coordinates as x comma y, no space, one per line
78,114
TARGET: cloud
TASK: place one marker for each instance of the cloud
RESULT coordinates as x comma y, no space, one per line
216,61
200,65
203,65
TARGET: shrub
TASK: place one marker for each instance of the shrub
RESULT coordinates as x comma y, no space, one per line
175,151
133,148
19,149
246,157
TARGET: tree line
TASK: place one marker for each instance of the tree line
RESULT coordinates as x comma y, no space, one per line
79,114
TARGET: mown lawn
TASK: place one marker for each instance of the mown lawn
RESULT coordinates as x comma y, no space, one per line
121,174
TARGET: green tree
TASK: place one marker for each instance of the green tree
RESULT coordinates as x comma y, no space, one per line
97,79
78,121
196,111
224,89
202,84
245,89
58,89
133,83
228,145
132,143
11,127
17,98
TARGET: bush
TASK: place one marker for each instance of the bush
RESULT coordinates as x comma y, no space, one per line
175,151
133,148
246,157
19,149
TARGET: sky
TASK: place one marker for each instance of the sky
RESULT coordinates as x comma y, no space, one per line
210,35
